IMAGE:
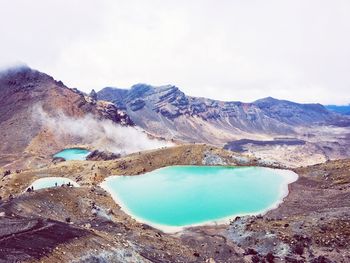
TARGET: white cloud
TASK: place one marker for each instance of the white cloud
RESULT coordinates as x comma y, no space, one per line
101,134
229,50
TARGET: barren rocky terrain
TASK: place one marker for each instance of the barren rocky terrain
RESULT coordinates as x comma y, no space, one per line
40,116
85,225
312,145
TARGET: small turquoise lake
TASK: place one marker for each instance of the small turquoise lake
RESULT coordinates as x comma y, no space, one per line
48,182
73,154
180,196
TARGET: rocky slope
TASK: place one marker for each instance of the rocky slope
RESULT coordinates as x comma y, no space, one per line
26,97
311,225
168,112
97,230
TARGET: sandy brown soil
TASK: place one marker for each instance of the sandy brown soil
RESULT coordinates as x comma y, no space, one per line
312,225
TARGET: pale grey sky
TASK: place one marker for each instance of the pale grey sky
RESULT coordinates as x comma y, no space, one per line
229,49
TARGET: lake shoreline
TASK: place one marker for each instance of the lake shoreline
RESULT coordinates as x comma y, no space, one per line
288,178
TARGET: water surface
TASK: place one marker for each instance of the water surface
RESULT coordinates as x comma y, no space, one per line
73,154
48,182
179,196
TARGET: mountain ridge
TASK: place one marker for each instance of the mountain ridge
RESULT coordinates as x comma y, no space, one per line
31,102
168,105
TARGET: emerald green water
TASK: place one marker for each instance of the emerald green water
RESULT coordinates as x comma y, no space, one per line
73,154
180,196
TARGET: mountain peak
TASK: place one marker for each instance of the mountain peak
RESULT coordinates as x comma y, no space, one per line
24,76
267,99
15,69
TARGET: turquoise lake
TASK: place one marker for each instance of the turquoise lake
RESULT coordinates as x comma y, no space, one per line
179,196
73,154
48,182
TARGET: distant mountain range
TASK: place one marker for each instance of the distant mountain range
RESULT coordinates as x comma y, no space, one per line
166,111
339,109
163,111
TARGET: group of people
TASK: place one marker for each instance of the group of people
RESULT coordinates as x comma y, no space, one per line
69,184
31,189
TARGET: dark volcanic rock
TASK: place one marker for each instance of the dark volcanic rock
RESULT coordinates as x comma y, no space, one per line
102,156
116,115
93,95
321,259
58,159
237,146
137,104
23,238
170,114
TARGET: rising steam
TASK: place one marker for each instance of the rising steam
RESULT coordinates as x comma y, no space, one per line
103,135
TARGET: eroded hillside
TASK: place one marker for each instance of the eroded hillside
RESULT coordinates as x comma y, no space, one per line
27,98
167,111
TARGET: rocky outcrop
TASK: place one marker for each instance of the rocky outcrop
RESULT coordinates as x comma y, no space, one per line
112,112
212,159
58,160
137,105
93,94
97,155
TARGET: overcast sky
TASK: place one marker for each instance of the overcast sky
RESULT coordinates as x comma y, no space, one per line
228,50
